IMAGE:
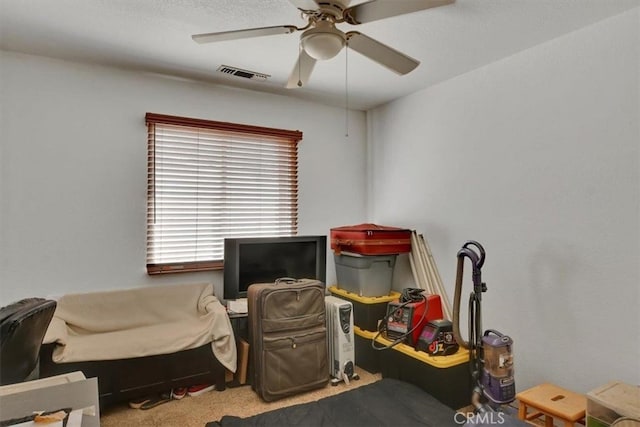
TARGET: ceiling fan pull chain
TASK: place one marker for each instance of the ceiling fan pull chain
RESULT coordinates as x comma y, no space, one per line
299,60
346,88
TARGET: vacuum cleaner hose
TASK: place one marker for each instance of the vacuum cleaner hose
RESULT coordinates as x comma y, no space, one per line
476,261
456,303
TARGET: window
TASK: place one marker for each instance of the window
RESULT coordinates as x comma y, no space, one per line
210,180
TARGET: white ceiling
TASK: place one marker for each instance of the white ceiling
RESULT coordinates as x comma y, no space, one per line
155,36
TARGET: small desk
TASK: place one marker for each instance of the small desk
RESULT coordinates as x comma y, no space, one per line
240,325
552,402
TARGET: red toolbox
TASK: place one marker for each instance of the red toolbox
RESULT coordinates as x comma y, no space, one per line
370,239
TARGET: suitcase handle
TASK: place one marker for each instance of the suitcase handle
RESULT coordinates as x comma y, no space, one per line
287,280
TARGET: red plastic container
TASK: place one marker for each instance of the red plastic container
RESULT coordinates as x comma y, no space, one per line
371,239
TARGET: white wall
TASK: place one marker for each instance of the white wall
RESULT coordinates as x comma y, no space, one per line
536,157
73,169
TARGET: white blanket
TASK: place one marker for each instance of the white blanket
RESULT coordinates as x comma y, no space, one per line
141,322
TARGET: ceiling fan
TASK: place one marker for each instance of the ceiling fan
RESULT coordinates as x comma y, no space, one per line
321,40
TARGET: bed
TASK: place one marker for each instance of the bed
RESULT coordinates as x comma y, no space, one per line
388,402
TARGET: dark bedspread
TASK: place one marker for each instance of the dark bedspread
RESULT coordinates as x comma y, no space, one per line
387,402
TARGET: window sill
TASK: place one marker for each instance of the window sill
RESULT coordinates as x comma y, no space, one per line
185,267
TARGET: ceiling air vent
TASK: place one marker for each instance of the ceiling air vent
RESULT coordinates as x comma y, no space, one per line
239,72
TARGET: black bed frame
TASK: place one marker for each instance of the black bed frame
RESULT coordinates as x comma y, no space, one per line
126,379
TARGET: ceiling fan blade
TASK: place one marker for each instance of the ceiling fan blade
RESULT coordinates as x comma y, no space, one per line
301,71
243,34
380,9
305,4
382,54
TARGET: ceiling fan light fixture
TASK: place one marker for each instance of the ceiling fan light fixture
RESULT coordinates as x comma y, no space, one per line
324,41
323,46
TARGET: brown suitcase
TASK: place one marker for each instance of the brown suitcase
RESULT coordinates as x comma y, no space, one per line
371,239
288,337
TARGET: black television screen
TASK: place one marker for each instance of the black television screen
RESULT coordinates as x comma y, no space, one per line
265,259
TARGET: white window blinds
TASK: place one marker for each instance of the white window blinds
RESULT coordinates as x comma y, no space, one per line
210,180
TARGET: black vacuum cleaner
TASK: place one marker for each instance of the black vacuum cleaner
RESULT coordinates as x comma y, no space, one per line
490,353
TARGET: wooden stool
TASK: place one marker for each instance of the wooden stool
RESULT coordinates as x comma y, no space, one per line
552,402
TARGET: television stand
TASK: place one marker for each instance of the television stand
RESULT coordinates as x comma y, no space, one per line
240,325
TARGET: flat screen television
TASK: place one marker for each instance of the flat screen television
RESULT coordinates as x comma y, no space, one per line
265,259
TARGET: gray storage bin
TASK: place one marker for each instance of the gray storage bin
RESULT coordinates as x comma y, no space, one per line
365,275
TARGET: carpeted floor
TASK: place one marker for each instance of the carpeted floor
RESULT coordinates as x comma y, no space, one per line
211,406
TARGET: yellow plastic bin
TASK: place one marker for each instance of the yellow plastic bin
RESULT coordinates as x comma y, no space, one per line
367,311
366,357
447,378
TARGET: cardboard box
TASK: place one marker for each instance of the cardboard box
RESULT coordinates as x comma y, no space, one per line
240,377
612,401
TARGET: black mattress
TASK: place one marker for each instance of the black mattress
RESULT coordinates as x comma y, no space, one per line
388,402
